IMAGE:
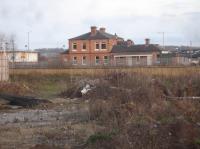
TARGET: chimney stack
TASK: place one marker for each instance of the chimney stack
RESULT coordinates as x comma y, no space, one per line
103,29
93,30
130,43
147,41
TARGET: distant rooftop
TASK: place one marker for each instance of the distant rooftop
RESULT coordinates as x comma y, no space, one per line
135,48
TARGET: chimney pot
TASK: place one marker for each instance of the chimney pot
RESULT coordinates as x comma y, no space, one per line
147,41
103,29
93,30
129,43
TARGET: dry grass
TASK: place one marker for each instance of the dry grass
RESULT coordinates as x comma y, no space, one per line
166,71
139,114
129,106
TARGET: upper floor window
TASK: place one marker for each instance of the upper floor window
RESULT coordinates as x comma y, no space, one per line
74,46
84,47
103,46
97,46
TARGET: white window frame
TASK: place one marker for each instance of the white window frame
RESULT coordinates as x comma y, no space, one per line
105,61
84,63
74,62
96,60
74,43
82,46
102,44
96,46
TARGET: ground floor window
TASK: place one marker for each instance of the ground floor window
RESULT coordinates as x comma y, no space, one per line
106,60
84,61
97,60
138,59
74,61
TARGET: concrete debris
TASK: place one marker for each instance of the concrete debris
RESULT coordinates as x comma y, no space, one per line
86,89
81,88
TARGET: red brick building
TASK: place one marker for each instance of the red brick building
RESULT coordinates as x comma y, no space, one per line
92,48
98,47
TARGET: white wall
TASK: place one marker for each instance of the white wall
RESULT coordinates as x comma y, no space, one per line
23,56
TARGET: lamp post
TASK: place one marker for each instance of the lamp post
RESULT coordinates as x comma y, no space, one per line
163,42
163,39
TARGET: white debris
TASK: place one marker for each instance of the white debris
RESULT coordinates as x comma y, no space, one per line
86,89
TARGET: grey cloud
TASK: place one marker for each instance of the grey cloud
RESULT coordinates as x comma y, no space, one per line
51,25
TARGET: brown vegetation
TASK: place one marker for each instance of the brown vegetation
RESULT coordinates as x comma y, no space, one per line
128,108
133,108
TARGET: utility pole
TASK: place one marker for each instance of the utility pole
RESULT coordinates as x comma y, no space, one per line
190,50
13,56
163,39
163,43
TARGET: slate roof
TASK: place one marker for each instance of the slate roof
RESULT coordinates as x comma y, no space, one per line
99,35
65,52
135,48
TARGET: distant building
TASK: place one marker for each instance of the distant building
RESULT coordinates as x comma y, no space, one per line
175,59
90,49
22,56
99,48
49,54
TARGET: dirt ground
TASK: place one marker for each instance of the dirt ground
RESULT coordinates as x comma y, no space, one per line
62,124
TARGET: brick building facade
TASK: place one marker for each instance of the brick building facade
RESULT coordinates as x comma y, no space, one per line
91,49
98,47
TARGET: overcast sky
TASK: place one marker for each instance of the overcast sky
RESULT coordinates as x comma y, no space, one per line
52,22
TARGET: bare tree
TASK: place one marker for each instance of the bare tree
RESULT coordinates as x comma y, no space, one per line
2,40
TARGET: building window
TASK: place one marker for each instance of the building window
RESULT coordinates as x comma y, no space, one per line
97,61
74,61
74,46
106,60
138,59
97,46
84,60
103,46
84,47
23,56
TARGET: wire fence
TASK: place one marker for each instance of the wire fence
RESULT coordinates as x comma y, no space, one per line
101,64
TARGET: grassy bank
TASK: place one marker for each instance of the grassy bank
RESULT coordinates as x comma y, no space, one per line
50,82
166,71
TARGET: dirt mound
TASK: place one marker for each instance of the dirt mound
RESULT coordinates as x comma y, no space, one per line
136,109
81,88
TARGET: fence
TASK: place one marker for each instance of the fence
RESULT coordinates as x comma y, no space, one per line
4,68
121,62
